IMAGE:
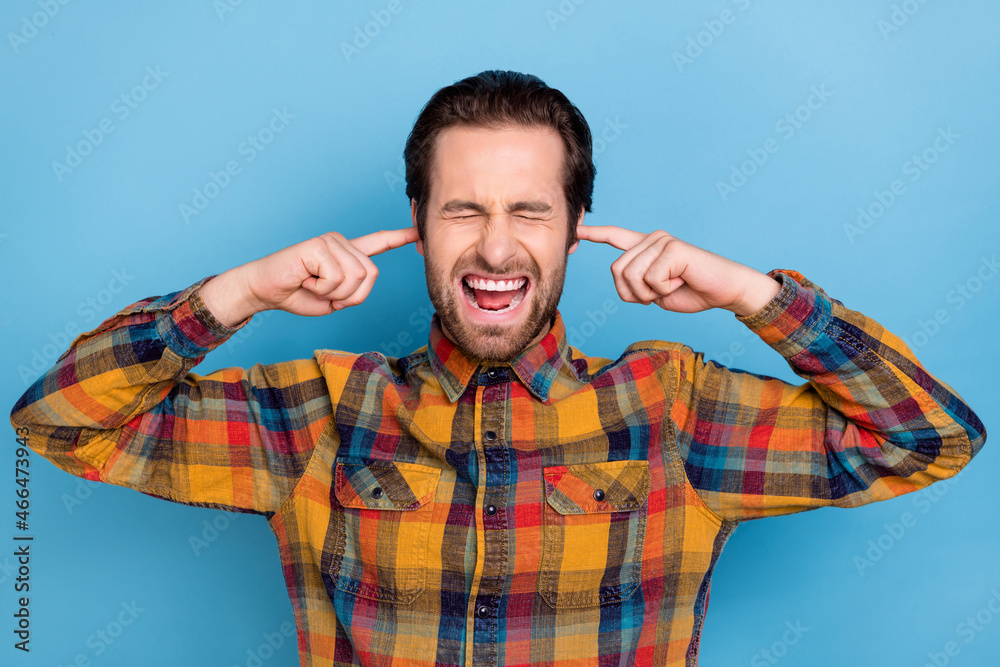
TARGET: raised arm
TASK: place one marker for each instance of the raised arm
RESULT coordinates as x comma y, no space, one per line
122,406
869,424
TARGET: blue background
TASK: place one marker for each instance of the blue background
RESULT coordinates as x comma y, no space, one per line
680,127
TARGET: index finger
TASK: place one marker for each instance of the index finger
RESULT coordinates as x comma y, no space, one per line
386,239
619,237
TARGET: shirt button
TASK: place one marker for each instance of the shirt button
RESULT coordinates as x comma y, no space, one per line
483,611
376,493
491,509
493,373
599,495
490,436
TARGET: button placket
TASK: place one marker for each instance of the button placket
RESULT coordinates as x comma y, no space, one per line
493,485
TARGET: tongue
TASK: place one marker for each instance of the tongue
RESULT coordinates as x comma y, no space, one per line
494,300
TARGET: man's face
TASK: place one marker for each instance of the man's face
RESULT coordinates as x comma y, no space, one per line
496,210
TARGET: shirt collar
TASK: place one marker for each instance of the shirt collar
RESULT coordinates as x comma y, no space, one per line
536,367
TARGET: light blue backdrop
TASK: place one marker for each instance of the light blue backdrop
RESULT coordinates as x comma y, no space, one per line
756,130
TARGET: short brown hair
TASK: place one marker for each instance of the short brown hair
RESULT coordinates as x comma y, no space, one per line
495,99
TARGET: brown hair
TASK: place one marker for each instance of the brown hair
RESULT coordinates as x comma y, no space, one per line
501,98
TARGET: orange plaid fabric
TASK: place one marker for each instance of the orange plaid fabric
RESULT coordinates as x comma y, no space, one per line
555,510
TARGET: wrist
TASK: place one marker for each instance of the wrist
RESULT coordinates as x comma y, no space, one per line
228,297
758,290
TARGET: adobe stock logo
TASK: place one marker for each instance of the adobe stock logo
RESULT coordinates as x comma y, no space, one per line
122,107
381,18
697,44
249,149
916,166
562,12
60,339
787,127
38,20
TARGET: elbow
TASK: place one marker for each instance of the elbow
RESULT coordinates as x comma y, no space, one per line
977,438
971,436
24,416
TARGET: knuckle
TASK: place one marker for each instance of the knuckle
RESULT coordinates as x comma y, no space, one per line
316,245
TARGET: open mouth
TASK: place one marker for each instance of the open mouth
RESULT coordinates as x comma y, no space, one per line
494,296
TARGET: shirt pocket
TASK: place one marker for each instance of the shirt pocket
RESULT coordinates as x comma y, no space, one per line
380,552
593,528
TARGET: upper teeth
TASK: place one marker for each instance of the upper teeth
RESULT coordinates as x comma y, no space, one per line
495,285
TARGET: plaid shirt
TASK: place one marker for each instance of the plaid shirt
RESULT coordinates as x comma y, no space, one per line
558,509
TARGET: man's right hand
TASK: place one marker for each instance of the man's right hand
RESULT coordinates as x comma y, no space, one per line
314,277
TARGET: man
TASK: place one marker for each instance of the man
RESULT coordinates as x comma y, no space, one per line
497,497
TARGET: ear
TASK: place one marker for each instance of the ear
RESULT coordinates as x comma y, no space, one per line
579,221
413,217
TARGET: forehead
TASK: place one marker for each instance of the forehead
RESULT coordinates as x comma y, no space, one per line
485,164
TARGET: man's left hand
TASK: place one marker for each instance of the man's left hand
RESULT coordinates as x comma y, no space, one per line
659,268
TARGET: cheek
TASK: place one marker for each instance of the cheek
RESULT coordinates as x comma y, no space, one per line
445,248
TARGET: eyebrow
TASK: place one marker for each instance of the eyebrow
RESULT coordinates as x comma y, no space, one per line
532,206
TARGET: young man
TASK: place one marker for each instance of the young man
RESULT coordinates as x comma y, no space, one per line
497,497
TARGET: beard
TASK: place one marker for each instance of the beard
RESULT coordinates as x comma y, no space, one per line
484,342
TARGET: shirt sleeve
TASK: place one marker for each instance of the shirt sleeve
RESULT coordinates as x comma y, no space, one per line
870,424
121,406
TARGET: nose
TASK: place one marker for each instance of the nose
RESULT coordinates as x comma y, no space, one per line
497,243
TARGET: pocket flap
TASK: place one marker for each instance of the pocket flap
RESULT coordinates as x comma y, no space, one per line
593,488
385,485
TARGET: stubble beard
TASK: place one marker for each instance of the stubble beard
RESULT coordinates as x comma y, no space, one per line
488,342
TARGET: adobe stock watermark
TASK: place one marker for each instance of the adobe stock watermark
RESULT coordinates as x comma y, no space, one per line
210,531
785,128
254,144
577,335
30,25
562,12
698,43
83,491
104,637
244,334
273,642
7,569
404,342
893,533
88,311
958,297
733,351
779,649
914,167
122,107
225,7
381,18
967,630
899,16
